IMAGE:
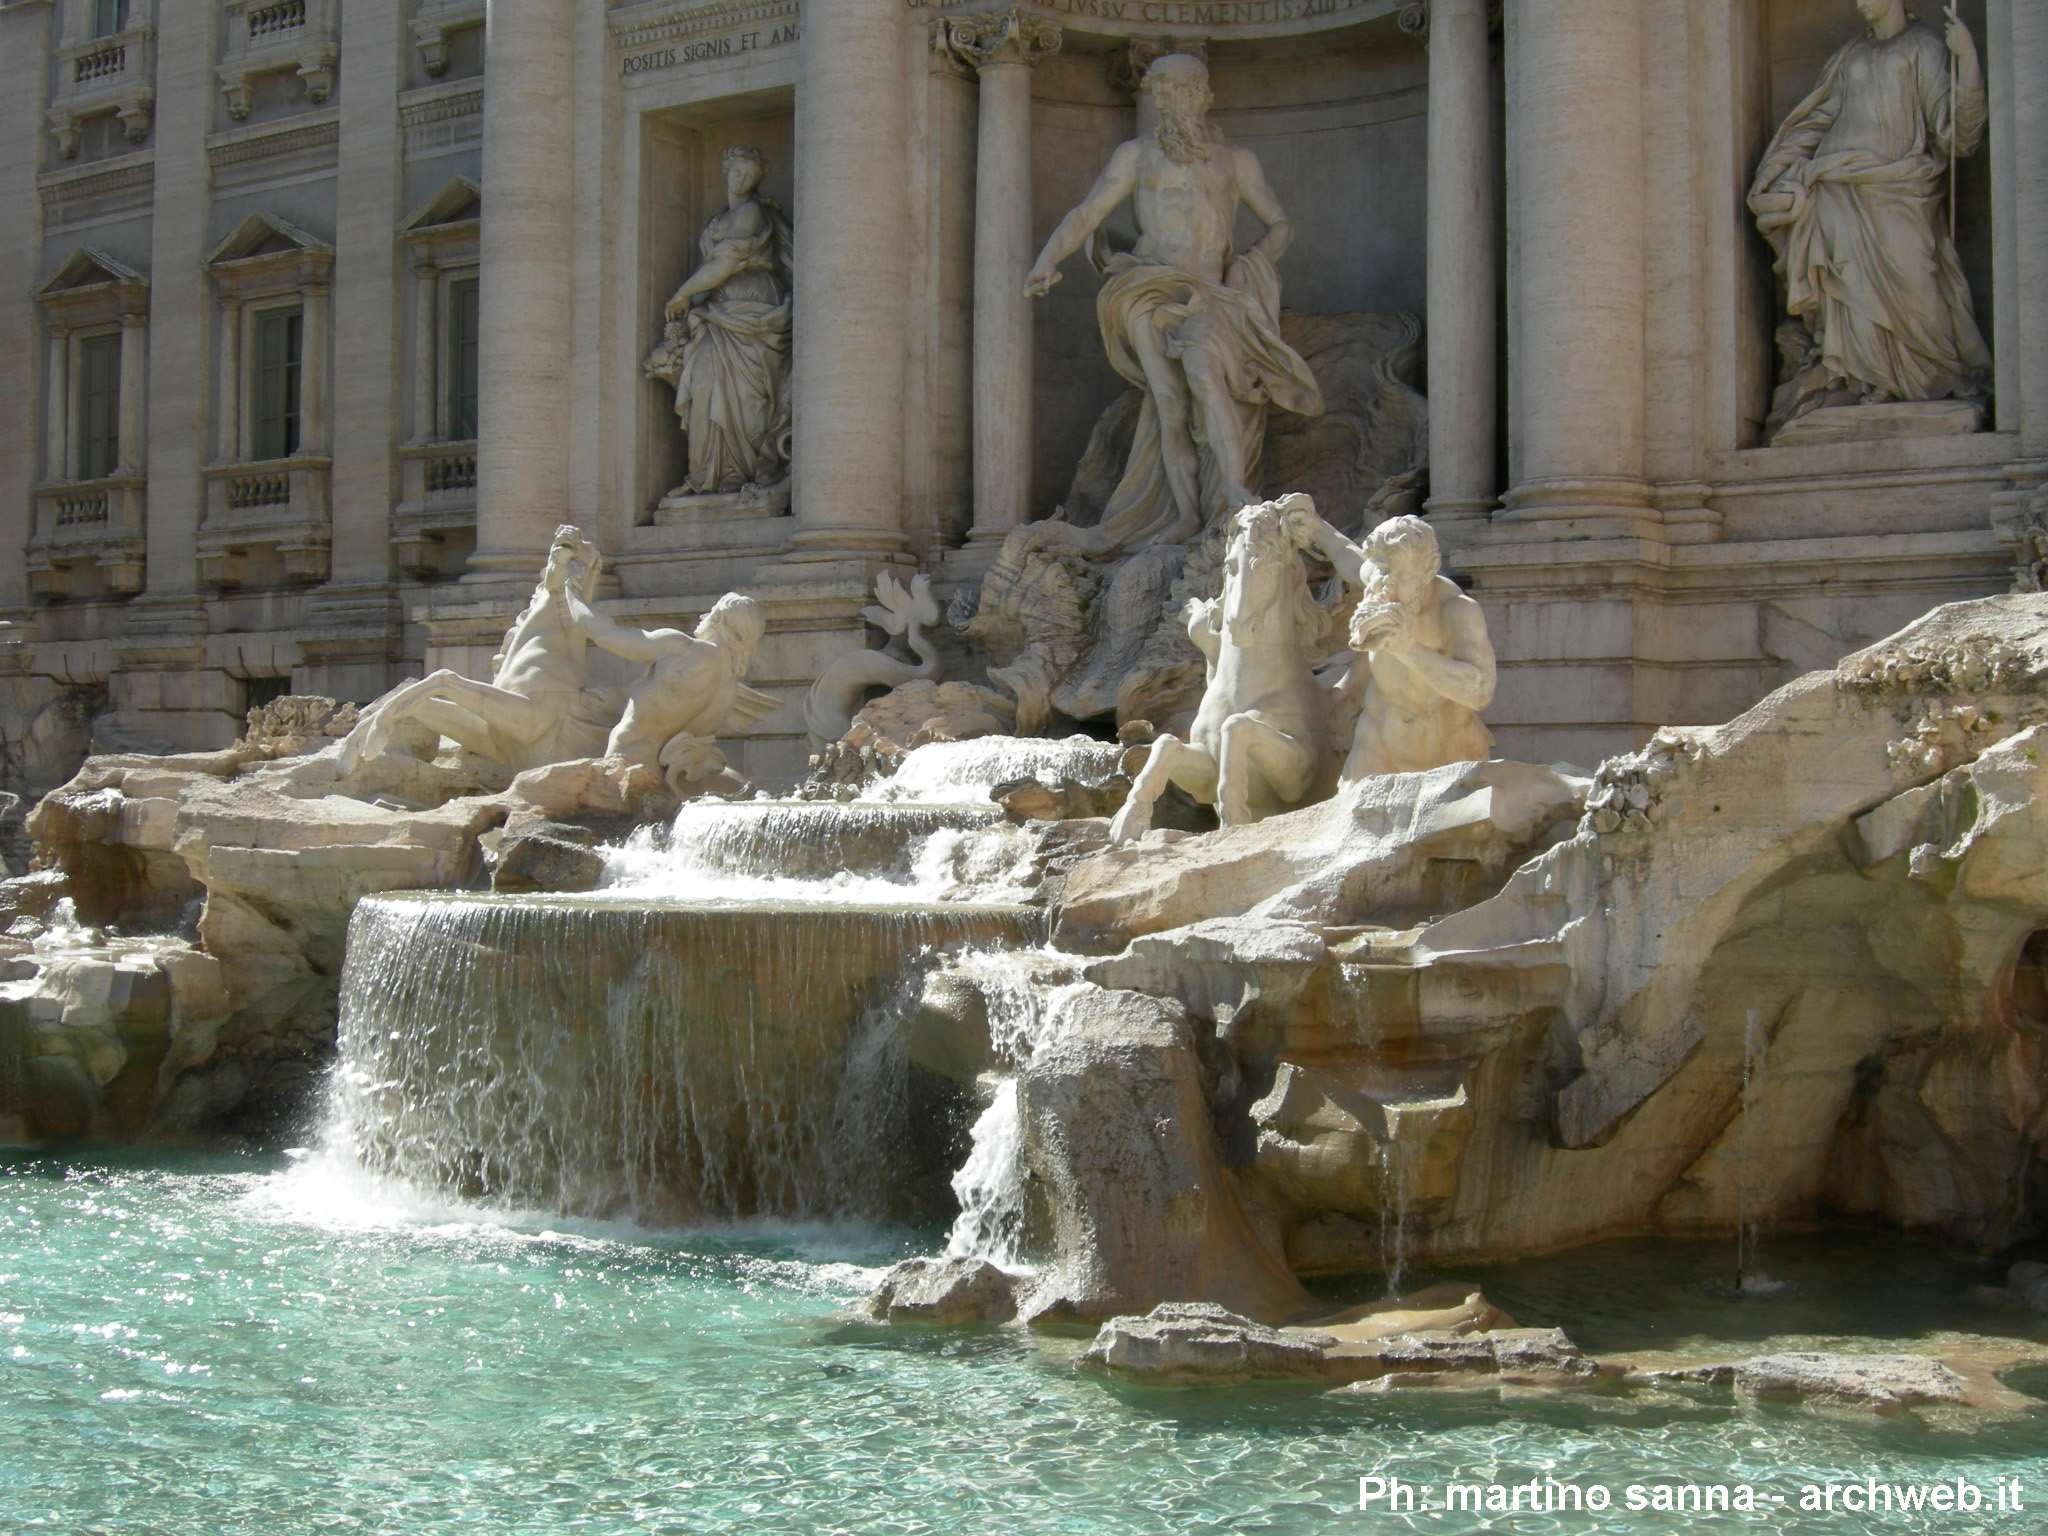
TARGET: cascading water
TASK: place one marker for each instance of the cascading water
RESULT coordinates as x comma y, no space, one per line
663,1061
715,1033
1756,1046
963,772
1024,1016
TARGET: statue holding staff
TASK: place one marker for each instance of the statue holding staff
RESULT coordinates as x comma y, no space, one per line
1850,196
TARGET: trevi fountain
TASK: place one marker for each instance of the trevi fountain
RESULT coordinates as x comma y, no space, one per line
1142,1034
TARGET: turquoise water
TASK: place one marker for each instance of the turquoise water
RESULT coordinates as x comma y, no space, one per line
228,1345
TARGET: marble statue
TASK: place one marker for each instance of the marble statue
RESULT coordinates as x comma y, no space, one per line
693,690
1850,196
897,611
538,708
726,345
1421,667
1186,320
1260,740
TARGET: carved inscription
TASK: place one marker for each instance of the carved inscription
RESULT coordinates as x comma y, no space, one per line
729,46
1204,13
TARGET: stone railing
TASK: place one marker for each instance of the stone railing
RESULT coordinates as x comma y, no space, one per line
267,37
266,524
88,539
268,22
435,518
103,74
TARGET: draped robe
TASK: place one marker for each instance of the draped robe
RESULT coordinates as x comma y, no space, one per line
1863,246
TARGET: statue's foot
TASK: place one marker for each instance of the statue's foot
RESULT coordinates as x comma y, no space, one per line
366,741
1131,823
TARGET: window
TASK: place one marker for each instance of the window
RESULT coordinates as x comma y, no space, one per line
274,412
99,406
462,359
109,17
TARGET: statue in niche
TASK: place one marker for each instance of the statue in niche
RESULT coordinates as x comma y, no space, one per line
693,689
1850,197
726,351
1421,667
1191,325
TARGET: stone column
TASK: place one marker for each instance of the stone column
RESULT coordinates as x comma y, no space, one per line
1577,292
2026,266
523,339
1463,247
26,34
853,245
1002,46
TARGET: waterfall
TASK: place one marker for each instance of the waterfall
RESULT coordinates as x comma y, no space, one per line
963,772
661,1061
1397,1157
1024,1016
1756,1046
824,850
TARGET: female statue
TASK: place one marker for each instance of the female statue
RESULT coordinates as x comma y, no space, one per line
726,347
1850,197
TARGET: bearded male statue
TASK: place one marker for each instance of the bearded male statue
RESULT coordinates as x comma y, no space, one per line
1186,320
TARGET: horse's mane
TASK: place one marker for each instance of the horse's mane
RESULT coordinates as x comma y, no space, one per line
1263,528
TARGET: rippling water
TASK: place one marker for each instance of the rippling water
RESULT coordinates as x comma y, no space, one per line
208,1344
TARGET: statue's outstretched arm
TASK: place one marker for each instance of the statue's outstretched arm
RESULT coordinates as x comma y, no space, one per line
1118,180
1311,532
622,640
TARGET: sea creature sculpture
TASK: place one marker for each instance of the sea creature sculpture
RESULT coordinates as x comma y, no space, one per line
1259,743
838,693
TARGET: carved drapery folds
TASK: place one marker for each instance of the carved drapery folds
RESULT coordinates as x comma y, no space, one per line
725,350
1854,195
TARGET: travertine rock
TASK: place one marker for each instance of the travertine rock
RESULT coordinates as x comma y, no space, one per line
1116,1124
1389,849
1881,1383
942,1291
1182,1343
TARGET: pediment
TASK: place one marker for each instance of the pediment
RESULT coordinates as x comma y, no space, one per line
459,201
89,268
263,234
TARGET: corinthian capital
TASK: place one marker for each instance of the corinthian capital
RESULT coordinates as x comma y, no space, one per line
1009,35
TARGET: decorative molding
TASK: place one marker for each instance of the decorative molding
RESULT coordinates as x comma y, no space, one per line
642,26
1012,35
130,174
238,146
436,116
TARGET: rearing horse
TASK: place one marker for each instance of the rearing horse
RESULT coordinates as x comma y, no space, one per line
1260,740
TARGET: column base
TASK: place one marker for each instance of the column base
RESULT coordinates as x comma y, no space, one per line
1588,507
